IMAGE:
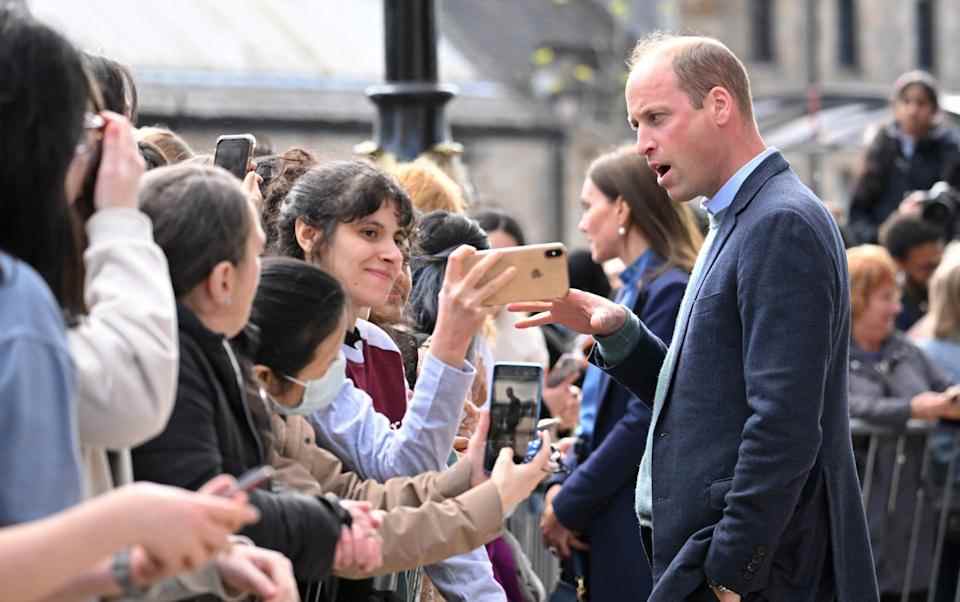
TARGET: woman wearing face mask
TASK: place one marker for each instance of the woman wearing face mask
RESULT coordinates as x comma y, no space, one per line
354,221
300,367
212,239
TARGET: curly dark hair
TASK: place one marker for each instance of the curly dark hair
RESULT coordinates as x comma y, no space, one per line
335,193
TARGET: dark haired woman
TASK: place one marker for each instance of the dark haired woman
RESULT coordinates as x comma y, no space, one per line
912,152
628,216
211,236
354,221
300,368
116,85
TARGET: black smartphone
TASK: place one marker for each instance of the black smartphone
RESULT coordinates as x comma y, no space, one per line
250,480
514,410
234,152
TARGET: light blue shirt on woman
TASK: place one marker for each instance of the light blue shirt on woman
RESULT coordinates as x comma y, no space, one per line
39,452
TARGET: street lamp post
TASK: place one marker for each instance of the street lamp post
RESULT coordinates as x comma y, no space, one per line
410,105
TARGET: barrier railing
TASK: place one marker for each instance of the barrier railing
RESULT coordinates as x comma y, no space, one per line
887,474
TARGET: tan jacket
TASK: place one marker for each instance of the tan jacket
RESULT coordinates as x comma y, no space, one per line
430,517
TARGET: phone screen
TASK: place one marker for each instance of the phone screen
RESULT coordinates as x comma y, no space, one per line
233,154
514,410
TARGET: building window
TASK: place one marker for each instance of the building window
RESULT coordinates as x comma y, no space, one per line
762,32
926,35
847,54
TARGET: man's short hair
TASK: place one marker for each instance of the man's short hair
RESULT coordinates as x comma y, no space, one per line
901,233
700,64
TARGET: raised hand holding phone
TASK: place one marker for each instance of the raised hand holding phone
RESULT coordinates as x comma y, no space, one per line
515,393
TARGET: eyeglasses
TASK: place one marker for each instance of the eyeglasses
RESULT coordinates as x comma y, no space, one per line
91,123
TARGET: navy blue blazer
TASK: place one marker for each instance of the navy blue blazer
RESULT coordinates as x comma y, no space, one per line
754,481
597,497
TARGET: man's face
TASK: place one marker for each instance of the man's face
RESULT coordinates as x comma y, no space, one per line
678,140
921,261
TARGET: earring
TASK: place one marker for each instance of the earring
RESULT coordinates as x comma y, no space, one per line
622,231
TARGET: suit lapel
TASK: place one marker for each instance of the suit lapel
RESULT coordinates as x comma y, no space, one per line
770,166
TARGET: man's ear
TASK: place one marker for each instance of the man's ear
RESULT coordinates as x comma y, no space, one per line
721,105
307,236
220,283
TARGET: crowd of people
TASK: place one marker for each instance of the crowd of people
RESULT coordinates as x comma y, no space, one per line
278,387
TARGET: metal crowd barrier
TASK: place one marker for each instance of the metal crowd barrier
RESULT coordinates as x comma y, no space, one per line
524,524
931,495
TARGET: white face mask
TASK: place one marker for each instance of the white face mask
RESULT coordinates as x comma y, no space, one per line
318,394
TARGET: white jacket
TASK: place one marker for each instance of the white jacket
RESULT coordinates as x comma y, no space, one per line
126,349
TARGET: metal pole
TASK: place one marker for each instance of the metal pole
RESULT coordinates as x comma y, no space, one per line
410,105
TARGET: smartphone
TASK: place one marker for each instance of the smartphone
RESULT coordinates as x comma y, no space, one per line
234,152
568,365
541,273
514,410
250,480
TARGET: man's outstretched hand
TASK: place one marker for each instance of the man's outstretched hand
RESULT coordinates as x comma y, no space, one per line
579,311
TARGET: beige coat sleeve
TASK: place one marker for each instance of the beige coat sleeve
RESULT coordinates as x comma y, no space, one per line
429,517
125,350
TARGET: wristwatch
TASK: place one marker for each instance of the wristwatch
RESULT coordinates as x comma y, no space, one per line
723,589
121,570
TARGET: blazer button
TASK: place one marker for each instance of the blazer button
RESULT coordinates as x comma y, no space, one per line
664,435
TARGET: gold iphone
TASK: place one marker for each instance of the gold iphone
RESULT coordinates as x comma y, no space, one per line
541,273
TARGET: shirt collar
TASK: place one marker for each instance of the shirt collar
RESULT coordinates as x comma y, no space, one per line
724,197
633,272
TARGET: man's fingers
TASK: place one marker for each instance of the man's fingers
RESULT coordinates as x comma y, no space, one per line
529,306
578,544
536,320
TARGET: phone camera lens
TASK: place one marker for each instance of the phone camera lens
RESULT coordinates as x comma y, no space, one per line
553,253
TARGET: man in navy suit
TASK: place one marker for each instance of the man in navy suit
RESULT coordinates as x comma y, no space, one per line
747,489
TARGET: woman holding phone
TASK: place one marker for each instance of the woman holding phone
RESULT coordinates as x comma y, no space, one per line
210,234
355,221
430,516
626,215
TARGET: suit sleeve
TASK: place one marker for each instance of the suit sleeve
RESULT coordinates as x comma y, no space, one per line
615,461
640,366
788,291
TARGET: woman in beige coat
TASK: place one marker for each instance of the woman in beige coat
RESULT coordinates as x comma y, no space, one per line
298,362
